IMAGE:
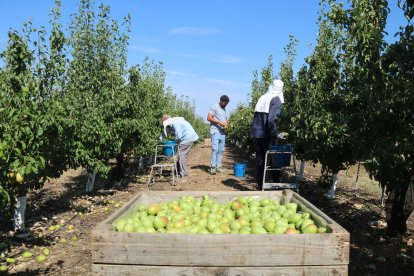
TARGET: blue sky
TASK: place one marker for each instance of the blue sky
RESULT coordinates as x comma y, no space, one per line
208,48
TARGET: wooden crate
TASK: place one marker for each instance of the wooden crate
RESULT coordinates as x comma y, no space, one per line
120,253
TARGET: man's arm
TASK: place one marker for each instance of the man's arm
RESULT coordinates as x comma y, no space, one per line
210,118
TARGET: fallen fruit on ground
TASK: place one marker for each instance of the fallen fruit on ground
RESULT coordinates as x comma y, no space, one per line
10,260
46,251
27,254
41,258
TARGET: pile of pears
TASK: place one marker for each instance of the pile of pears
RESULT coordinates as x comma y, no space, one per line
204,215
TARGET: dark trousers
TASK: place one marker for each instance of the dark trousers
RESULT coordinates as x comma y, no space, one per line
262,146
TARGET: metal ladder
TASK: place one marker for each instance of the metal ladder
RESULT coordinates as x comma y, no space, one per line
162,161
270,159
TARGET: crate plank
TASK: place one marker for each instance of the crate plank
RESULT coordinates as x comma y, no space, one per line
109,270
219,250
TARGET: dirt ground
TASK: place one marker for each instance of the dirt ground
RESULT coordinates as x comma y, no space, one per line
63,202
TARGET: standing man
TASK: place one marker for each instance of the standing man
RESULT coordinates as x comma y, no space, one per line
217,117
185,136
264,129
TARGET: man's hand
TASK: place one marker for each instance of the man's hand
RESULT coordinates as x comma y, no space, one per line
282,135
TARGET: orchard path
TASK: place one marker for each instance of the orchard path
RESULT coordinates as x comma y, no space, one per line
201,180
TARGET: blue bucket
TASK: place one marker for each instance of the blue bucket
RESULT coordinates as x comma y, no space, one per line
239,169
283,156
170,147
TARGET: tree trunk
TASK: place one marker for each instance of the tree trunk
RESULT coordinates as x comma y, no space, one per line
118,172
331,193
301,170
18,215
397,211
91,181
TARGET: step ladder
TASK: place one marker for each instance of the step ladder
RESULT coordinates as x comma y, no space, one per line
280,158
165,162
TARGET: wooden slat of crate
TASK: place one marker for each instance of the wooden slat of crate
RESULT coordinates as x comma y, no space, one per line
109,270
111,247
219,250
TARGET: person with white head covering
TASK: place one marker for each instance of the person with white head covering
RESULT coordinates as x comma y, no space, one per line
185,136
264,129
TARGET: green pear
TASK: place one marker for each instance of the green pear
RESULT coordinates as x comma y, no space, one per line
119,224
280,229
256,222
306,215
225,227
227,213
258,230
321,230
235,225
270,226
218,230
310,229
291,231
194,229
242,200
245,230
276,215
264,202
41,258
10,260
304,223
140,229
46,251
128,228
160,222
254,208
244,221
288,213
282,221
294,218
298,223
203,231
292,206
27,254
281,209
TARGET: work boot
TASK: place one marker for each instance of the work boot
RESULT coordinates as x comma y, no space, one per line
212,170
219,170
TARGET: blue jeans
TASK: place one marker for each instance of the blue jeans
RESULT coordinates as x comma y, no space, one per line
217,147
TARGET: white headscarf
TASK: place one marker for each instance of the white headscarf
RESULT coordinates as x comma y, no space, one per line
275,89
168,122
